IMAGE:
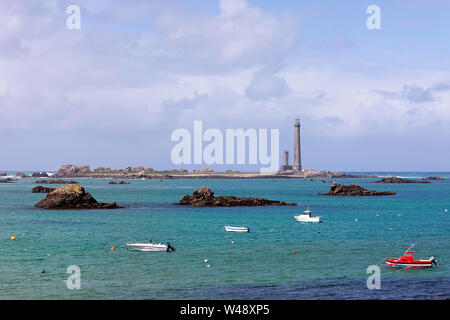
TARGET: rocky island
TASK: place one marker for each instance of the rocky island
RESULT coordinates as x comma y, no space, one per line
20,175
72,196
353,190
40,174
399,180
140,172
204,197
434,178
120,182
41,189
55,182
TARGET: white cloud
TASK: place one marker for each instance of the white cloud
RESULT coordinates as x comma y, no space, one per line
266,84
136,71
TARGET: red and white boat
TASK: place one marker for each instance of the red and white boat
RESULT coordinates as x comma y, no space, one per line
407,261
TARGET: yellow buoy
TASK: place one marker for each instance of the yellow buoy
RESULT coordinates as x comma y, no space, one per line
13,238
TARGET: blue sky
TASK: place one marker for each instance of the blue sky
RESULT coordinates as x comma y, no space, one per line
111,93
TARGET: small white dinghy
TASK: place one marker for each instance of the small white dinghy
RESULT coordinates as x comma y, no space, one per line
152,247
236,229
306,217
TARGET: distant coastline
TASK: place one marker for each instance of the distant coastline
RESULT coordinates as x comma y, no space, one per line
73,171
140,173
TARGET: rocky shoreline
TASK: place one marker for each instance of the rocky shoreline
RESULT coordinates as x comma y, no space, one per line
204,197
135,173
141,173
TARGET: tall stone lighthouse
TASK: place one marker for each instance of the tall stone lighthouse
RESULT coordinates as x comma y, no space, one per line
297,167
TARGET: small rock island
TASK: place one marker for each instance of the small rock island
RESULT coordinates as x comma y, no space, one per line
434,178
204,197
120,182
399,180
72,196
55,182
41,189
7,180
353,190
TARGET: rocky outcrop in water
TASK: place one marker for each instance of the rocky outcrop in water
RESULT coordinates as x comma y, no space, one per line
20,175
353,190
39,175
7,180
55,182
3,174
119,182
41,189
434,178
70,170
204,197
399,180
72,196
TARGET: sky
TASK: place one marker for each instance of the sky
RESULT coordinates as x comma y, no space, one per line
112,92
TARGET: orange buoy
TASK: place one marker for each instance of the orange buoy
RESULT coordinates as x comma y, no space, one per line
293,251
232,242
112,248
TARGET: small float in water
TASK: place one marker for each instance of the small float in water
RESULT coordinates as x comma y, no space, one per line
407,261
306,217
236,229
151,247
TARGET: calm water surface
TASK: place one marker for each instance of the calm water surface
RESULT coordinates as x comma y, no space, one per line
331,264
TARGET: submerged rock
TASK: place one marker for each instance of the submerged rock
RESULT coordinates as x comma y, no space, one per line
204,197
119,182
353,190
7,180
434,178
399,180
72,196
41,189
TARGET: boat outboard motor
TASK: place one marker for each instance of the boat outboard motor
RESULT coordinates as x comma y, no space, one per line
169,247
434,261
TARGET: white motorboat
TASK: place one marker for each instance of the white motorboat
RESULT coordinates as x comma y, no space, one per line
153,247
306,217
236,229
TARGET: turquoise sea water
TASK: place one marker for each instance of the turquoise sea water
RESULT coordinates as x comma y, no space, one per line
331,264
